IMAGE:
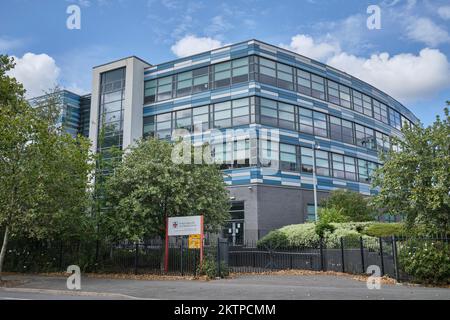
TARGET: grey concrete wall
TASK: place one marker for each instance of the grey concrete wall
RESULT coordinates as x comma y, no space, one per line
271,207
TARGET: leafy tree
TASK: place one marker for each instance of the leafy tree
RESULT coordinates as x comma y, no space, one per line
147,186
352,205
43,172
415,179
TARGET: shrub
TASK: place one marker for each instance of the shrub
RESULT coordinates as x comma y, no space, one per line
328,215
426,261
274,239
323,227
380,229
209,268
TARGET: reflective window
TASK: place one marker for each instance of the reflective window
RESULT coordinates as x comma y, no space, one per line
320,124
164,90
306,159
222,115
322,163
318,87
288,157
164,125
149,126
241,112
200,117
269,112
303,82
240,70
285,76
395,120
267,71
241,154
350,168
338,166
357,101
367,105
305,119
183,119
150,91
286,116
364,137
333,92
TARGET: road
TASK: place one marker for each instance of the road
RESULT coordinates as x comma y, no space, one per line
287,287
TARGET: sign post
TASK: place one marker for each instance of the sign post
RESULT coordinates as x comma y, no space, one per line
183,226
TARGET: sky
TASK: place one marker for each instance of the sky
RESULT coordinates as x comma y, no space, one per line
408,57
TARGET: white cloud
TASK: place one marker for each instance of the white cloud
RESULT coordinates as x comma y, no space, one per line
426,31
192,44
406,77
444,12
307,46
37,72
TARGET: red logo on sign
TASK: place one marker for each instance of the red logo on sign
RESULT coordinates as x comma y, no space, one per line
175,224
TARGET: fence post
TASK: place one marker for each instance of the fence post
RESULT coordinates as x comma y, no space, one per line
342,254
195,262
321,254
394,253
136,254
381,255
181,255
218,257
361,246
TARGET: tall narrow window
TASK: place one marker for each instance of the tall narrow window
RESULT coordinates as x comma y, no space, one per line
320,124
305,120
333,92
201,80
303,82
344,96
285,76
306,159
267,72
183,119
367,105
357,101
222,74
240,70
164,88
363,171
335,128
164,125
350,168
241,112
286,116
149,126
322,163
318,87
222,115
184,83
269,112
338,166
241,155
394,118
347,132
200,117
288,157
150,91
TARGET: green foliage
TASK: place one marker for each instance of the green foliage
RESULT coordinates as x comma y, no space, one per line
428,261
381,229
306,235
43,171
323,227
209,268
415,181
147,186
352,205
274,239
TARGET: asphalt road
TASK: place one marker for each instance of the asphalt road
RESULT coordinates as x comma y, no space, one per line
262,287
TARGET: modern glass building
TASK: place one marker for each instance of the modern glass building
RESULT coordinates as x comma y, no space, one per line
282,115
74,111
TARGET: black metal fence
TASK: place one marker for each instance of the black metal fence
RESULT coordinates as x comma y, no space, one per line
349,255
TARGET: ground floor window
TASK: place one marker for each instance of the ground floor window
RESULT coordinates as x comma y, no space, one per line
234,228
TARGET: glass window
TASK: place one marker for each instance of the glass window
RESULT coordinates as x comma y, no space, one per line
320,124
184,83
310,211
164,125
267,71
384,113
364,137
335,128
285,76
240,70
201,80
344,95
288,157
322,163
350,168
149,126
222,115
306,159
367,105
112,106
200,117
333,92
382,141
269,153
318,87
376,109
357,101
338,166
222,74
164,88
305,120
269,112
241,155
150,91
303,82
241,112
183,119
363,171
394,118
286,116
347,132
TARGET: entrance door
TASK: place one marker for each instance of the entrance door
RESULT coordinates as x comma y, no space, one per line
234,228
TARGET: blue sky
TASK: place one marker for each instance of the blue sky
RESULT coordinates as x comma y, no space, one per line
408,57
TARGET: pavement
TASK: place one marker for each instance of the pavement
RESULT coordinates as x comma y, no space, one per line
243,287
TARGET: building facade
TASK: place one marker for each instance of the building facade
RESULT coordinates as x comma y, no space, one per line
278,115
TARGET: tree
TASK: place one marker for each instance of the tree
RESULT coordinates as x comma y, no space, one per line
147,186
352,205
43,171
414,181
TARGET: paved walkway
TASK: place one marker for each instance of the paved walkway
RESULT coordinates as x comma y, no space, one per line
240,288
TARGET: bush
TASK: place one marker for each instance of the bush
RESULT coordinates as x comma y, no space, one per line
274,239
380,229
427,261
323,227
329,215
209,268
